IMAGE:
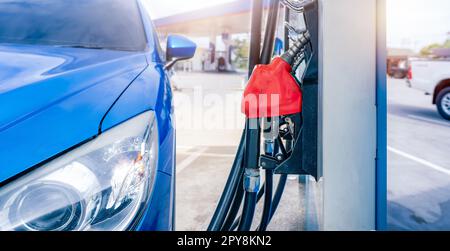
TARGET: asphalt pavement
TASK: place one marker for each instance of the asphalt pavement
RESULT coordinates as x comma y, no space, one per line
209,127
418,161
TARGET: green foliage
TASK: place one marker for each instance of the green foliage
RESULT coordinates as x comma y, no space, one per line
447,44
241,51
428,50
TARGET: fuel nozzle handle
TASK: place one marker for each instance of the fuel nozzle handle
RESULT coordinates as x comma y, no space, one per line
290,55
272,90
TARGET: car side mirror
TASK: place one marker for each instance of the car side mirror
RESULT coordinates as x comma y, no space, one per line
178,48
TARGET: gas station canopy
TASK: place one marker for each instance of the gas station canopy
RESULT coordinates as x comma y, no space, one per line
232,18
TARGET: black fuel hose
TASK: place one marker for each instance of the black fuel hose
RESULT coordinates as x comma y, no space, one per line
231,222
271,27
233,192
281,183
250,199
234,210
267,211
248,211
252,172
247,159
278,194
275,201
233,183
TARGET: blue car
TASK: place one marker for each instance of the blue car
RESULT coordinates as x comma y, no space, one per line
87,139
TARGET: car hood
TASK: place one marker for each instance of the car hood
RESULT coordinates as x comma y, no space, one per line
53,98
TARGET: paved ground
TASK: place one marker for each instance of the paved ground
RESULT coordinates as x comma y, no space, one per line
419,162
209,126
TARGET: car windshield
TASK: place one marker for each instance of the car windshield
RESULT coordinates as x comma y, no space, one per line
95,24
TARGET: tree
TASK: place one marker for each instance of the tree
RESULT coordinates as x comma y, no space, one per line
447,44
241,50
428,50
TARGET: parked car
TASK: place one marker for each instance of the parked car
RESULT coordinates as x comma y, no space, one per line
398,68
433,77
87,136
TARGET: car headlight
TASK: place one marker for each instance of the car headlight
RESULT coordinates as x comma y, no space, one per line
104,184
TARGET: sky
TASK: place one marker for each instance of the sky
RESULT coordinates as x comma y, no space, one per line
163,8
411,24
417,23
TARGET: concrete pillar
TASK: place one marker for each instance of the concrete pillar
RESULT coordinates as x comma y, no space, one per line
348,130
212,40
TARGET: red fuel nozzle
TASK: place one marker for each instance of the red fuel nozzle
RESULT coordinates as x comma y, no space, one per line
272,91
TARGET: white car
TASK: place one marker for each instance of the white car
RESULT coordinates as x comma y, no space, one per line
432,77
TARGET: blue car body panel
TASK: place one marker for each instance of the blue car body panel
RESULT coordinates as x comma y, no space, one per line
151,91
152,85
56,99
53,99
160,213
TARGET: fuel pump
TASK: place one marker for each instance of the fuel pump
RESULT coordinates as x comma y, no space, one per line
272,139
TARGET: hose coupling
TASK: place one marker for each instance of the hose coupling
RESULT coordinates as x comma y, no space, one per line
251,180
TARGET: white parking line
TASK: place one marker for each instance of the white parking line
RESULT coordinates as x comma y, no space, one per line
189,160
184,147
429,120
215,155
419,160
